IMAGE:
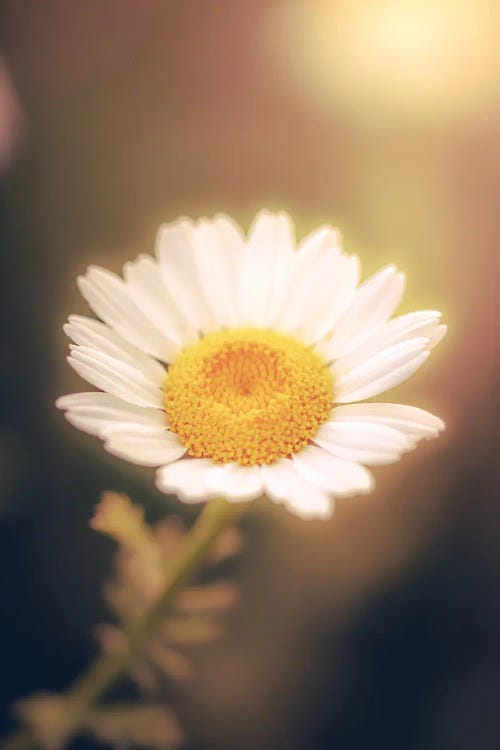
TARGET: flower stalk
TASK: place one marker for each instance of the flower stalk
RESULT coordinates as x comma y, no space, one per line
108,667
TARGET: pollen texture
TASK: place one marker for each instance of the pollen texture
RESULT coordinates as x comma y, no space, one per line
247,395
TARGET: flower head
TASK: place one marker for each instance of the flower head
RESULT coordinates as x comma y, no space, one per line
235,364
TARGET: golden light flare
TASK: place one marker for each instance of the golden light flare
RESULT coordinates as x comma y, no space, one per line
426,59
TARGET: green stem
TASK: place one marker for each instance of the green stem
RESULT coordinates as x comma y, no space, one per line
108,667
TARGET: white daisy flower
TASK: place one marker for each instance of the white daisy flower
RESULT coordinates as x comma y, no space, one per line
235,364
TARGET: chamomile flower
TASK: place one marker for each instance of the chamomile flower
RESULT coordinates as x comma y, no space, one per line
240,365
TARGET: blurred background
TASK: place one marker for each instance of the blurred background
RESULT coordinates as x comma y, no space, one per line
381,627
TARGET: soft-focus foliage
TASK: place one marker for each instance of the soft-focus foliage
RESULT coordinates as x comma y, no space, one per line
44,713
142,561
143,556
150,725
153,726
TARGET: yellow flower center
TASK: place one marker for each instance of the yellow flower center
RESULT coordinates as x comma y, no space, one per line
247,395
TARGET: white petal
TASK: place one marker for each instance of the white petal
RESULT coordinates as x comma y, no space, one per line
187,478
96,335
236,482
219,245
437,335
371,444
175,250
283,483
277,478
313,246
145,446
373,303
115,377
130,369
409,420
283,269
95,411
90,398
265,268
110,299
310,253
337,475
145,284
323,284
332,290
384,370
307,502
422,324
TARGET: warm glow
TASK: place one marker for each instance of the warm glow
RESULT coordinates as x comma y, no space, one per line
419,58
